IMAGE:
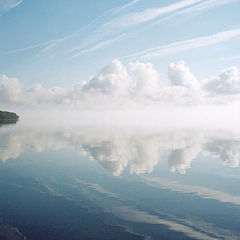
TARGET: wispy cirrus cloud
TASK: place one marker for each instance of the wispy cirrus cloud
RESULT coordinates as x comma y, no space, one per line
45,45
122,22
5,5
117,10
100,45
202,6
93,37
186,44
147,15
123,7
29,47
116,24
8,4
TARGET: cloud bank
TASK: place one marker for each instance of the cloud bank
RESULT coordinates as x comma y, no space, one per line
118,85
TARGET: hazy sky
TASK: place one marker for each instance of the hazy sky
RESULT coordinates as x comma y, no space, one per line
59,42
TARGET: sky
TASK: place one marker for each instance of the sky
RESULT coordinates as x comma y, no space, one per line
58,47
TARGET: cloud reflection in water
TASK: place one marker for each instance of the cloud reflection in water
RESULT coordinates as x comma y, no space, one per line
117,150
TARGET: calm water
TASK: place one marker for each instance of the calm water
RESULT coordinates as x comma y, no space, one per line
76,183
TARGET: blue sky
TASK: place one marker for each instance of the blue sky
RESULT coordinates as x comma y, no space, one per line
59,42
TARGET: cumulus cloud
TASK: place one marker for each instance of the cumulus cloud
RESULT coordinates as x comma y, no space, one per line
146,78
10,90
228,82
118,85
112,79
180,75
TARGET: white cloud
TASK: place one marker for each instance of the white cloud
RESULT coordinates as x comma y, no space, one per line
40,95
228,82
137,84
145,77
112,79
180,75
10,90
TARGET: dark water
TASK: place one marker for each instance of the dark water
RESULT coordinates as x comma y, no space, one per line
96,183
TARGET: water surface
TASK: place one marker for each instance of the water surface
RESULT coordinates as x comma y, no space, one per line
81,182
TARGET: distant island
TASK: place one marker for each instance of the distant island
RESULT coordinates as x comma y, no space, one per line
8,117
